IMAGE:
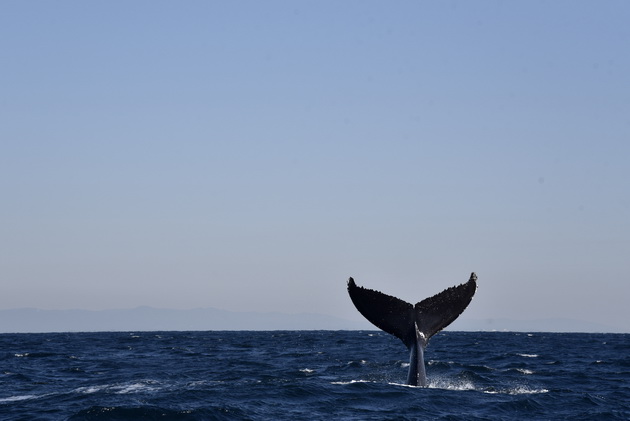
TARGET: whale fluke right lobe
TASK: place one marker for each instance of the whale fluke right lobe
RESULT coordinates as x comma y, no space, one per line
435,313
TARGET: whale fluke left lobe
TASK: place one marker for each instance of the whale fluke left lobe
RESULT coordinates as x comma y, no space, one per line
388,313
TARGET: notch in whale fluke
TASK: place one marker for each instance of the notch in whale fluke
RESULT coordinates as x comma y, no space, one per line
413,324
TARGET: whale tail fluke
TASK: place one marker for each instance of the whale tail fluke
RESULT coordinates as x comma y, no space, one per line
401,319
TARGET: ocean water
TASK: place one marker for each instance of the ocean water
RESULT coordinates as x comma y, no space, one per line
312,375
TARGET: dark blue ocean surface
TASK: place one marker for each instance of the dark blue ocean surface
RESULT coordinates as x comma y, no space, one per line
312,375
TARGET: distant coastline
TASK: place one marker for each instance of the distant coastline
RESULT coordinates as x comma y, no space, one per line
30,320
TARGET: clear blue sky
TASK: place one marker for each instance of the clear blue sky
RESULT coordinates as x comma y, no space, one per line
253,155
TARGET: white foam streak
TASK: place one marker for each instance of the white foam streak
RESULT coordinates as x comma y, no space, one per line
120,389
352,382
17,398
520,390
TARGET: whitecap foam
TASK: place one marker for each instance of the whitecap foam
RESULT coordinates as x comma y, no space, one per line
134,388
519,390
450,384
527,391
201,383
401,384
528,355
352,381
17,398
121,389
89,389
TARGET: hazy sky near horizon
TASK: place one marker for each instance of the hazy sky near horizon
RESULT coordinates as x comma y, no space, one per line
253,155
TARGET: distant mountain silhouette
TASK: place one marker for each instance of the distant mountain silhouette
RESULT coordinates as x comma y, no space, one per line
151,319
29,320
534,325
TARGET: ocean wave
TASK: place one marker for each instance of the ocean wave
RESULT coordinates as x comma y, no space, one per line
308,375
